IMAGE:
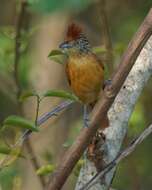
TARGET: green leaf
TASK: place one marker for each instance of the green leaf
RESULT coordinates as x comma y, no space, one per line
20,122
26,95
44,170
61,94
57,56
99,49
8,150
5,150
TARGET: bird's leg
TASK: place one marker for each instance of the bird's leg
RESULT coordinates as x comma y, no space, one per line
86,116
107,83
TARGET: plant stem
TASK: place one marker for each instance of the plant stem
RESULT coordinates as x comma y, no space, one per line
106,35
37,108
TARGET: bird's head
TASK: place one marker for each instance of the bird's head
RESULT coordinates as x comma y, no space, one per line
75,40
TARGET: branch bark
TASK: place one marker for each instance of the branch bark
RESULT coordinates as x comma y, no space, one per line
119,114
118,158
74,153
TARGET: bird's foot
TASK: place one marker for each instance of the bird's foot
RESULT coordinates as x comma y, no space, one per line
107,83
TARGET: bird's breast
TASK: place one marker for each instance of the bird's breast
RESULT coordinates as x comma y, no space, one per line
85,75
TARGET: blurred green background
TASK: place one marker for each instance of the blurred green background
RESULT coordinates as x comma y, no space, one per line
44,27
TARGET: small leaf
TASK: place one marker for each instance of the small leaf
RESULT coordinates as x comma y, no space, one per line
99,49
5,150
26,95
20,122
57,56
44,170
8,150
61,94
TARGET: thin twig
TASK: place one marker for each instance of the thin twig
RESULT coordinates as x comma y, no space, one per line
37,108
40,121
62,106
120,157
74,153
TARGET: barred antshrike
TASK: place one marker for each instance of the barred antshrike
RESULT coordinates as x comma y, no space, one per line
84,70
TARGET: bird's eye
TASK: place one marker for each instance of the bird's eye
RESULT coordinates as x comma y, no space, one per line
65,45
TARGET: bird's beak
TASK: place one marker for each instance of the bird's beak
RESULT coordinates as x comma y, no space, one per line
65,45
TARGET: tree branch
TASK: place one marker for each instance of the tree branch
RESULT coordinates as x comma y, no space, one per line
120,157
76,150
119,115
19,26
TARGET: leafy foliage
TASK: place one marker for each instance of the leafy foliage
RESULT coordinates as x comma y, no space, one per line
49,6
45,170
57,56
26,95
61,94
19,122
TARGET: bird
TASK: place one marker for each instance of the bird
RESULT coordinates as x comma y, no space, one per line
84,70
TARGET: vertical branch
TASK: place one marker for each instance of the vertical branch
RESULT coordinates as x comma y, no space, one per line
106,34
17,51
19,26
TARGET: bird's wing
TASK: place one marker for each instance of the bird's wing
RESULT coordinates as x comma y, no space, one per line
67,74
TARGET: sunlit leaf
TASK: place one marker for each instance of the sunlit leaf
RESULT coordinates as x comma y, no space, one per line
61,94
19,122
99,50
26,95
57,56
44,170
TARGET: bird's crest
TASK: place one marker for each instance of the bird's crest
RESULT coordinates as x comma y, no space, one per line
73,32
